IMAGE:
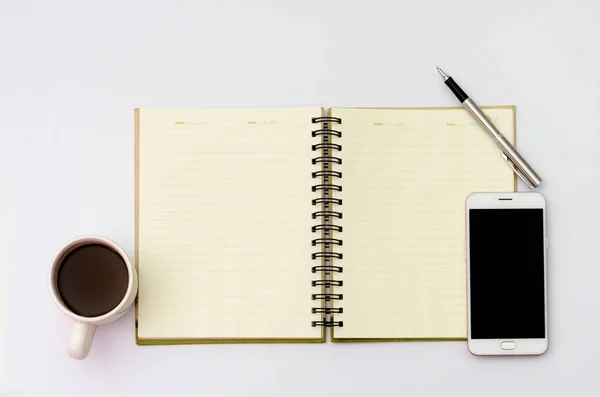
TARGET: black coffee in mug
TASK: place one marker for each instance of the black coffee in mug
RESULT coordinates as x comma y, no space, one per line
92,280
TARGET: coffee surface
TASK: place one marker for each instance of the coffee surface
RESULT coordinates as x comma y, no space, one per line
92,280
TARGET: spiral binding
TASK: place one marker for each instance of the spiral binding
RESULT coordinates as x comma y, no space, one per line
326,227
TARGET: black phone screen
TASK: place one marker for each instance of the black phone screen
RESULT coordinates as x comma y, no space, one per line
507,285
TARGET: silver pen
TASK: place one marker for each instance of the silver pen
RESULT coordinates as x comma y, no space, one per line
511,156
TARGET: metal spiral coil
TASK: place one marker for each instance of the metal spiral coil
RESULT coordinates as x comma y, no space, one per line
326,187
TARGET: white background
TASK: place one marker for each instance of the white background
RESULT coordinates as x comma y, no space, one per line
71,74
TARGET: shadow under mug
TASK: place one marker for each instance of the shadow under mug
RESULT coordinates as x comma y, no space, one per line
84,329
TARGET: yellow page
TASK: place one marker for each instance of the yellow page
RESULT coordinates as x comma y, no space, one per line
224,224
406,175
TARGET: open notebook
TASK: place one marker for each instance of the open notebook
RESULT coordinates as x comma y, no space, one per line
273,225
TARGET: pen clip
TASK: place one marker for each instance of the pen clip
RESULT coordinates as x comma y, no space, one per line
516,170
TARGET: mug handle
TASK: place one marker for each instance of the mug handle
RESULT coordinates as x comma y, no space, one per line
82,337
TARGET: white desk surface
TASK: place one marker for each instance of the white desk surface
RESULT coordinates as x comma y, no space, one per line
72,73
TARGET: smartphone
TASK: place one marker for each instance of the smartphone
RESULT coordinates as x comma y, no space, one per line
506,248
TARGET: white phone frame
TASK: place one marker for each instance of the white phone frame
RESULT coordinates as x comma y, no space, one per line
511,200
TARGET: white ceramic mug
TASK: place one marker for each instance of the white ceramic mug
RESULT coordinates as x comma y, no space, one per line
84,328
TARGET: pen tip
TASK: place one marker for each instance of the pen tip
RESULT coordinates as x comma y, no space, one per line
441,72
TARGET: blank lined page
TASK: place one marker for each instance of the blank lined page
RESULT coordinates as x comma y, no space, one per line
406,175
224,224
